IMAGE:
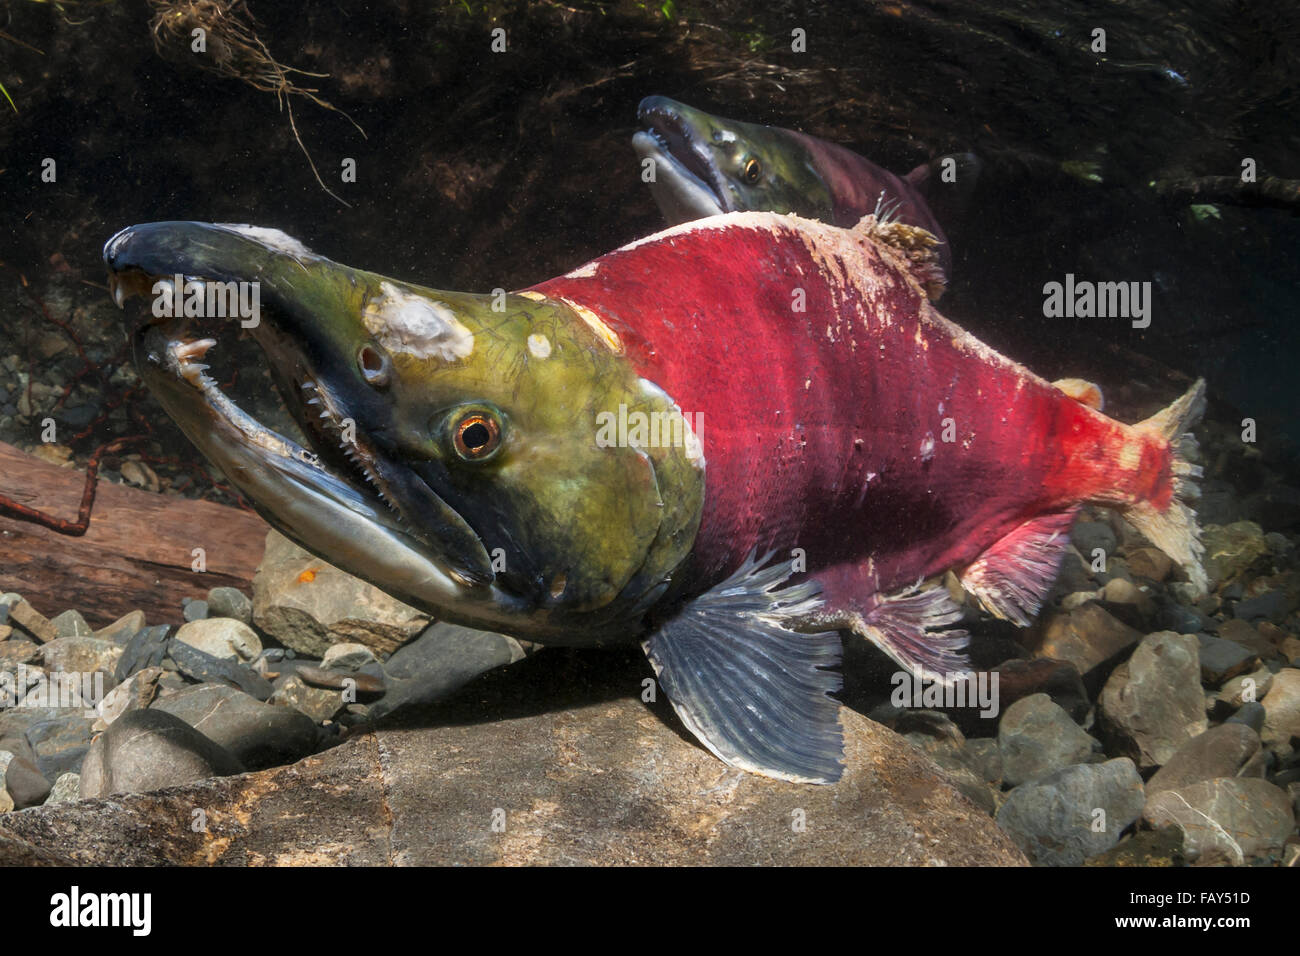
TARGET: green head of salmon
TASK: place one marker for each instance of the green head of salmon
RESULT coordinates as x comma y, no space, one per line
706,165
453,458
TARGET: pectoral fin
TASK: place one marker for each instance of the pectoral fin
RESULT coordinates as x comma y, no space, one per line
754,692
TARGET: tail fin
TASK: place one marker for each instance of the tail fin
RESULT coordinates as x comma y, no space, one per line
1174,530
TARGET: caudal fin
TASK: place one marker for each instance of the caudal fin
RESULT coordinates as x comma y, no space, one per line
1173,528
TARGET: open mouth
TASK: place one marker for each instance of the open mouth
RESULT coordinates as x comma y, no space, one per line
679,155
341,495
341,463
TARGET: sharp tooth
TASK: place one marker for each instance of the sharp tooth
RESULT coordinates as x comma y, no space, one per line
193,350
119,293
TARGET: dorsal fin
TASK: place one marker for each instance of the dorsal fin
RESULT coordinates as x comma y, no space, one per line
917,247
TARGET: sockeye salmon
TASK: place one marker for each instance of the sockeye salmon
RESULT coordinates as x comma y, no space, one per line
706,165
727,441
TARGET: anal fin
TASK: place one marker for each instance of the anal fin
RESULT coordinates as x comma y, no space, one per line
753,691
1013,576
912,627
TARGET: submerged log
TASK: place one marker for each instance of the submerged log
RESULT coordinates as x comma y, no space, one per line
137,553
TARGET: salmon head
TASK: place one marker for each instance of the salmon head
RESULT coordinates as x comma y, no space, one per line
451,448
706,165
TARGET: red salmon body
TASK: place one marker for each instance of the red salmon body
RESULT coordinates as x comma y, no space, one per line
842,415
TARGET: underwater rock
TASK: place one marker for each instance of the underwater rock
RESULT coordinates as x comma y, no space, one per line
1150,563
70,624
441,661
308,604
32,621
193,610
605,783
1219,752
257,734
1271,605
123,629
1233,550
1162,847
148,750
1152,704
81,655
21,778
1089,638
1222,659
982,755
1250,715
1090,536
318,703
222,637
18,651
1248,636
67,789
232,603
1127,602
204,667
1059,680
1037,737
135,693
348,657
1239,819
1282,711
1241,690
1052,819
147,648
60,744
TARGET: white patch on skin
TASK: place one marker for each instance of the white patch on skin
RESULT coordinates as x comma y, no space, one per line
530,294
597,325
539,345
694,447
584,272
691,444
410,323
273,238
726,136
927,447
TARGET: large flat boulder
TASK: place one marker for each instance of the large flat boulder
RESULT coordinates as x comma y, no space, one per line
501,776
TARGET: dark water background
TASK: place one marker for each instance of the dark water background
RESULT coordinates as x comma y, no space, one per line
480,170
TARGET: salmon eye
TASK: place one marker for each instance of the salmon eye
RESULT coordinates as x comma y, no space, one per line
477,436
374,365
753,170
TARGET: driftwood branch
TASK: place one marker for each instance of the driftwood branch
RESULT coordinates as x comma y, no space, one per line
137,551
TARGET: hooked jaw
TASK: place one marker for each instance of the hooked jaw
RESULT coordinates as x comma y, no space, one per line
686,184
342,497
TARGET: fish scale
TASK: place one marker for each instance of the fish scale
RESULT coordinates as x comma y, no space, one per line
798,421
